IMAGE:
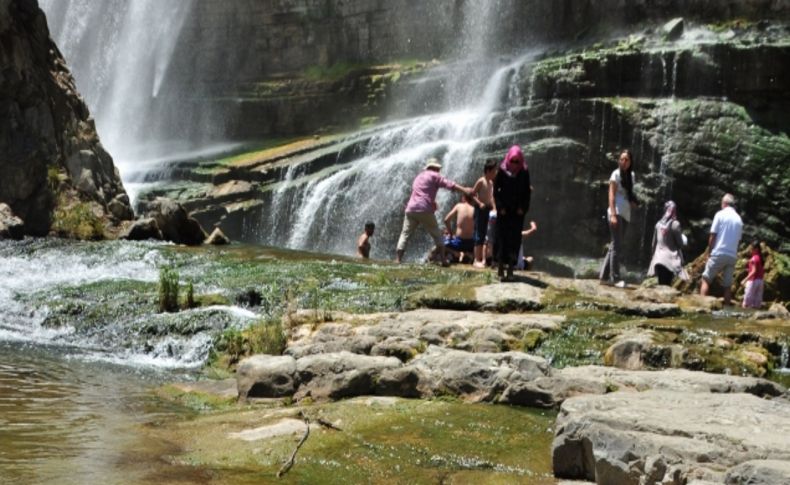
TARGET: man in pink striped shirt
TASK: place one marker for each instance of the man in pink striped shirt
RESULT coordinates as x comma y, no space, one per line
422,205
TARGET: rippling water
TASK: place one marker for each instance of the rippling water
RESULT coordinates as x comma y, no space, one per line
66,421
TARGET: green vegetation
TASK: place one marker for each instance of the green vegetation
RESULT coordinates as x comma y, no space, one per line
76,221
264,337
53,178
334,72
168,289
732,24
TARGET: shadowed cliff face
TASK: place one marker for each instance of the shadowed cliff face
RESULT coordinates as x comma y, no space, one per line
51,159
703,115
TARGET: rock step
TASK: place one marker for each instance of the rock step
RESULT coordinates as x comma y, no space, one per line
673,437
501,377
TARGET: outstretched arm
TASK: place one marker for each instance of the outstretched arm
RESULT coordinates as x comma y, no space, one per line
532,228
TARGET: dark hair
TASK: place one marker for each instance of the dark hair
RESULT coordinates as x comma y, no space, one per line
756,245
370,225
627,178
491,163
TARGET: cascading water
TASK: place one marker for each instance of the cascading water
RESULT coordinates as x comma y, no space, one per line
319,214
31,270
119,52
322,210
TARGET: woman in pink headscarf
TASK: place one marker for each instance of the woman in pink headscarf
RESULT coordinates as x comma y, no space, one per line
512,193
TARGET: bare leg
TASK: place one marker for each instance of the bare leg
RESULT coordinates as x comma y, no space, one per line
479,257
704,287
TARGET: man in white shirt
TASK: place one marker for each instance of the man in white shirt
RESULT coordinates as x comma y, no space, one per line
725,234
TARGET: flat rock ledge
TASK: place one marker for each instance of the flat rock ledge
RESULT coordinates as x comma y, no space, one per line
499,297
405,335
502,377
673,437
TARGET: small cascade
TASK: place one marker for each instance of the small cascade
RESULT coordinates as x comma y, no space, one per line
784,359
31,270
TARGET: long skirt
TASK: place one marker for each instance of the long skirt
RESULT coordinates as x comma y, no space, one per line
753,294
508,237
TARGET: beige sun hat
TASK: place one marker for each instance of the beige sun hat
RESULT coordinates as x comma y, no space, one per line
433,163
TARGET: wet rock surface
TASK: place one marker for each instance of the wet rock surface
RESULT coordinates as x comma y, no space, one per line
11,227
51,154
175,223
669,437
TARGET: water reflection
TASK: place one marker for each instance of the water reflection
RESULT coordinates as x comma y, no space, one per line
69,422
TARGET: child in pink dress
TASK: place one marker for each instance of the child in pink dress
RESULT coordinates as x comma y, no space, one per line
753,295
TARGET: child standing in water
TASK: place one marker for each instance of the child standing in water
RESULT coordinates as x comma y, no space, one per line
363,243
753,294
483,191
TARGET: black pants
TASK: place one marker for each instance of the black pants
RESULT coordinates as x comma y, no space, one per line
508,237
664,275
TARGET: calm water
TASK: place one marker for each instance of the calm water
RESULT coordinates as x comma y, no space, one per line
67,421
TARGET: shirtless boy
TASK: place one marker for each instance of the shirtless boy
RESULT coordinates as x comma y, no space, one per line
483,192
363,243
463,240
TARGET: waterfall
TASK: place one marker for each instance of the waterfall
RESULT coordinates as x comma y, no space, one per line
119,52
323,212
784,357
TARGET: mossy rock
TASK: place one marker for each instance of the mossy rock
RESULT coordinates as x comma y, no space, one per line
532,339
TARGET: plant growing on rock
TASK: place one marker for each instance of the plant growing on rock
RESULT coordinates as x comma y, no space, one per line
264,337
168,289
76,220
190,296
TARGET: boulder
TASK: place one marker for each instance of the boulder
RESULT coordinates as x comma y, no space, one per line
636,349
339,375
266,376
120,208
175,223
510,297
11,227
472,376
142,229
668,436
217,238
759,472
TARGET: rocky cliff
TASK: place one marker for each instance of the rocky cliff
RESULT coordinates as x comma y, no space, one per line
255,84
56,176
704,113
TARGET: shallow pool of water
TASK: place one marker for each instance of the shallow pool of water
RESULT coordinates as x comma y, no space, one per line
66,421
